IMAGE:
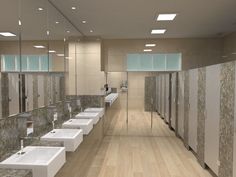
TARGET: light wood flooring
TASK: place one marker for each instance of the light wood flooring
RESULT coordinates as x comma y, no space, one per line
138,151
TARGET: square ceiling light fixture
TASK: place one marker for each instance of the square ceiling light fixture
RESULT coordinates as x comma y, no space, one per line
150,45
7,34
147,50
166,17
39,46
158,31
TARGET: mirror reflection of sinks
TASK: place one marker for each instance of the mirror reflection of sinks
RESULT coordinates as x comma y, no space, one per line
88,115
43,161
85,124
70,137
98,110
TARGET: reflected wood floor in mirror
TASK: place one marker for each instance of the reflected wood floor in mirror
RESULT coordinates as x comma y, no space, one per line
158,154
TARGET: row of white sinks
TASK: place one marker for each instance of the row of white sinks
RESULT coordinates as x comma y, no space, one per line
47,161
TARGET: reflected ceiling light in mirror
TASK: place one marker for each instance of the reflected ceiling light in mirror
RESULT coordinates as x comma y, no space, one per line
7,34
150,45
19,22
234,53
39,46
40,9
52,51
57,22
91,31
68,31
68,58
60,55
84,21
48,32
73,8
166,17
158,31
147,50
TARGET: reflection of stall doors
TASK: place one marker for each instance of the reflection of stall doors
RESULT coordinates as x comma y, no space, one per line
40,90
29,91
159,94
212,117
13,93
57,88
181,105
193,88
173,100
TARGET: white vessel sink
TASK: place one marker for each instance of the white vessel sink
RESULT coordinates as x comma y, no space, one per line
98,110
70,137
85,124
43,161
89,115
111,98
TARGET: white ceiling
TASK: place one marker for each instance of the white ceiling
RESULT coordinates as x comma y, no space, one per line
136,18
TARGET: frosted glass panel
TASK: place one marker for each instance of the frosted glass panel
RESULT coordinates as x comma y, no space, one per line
33,63
154,62
146,62
24,62
10,63
159,62
44,63
133,62
173,62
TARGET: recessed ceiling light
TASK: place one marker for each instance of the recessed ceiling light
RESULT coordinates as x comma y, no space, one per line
234,53
68,31
73,8
166,17
91,31
7,34
19,22
39,46
84,21
40,9
158,31
150,45
224,56
60,55
57,22
147,50
52,51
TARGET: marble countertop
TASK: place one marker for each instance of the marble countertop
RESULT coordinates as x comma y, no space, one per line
15,173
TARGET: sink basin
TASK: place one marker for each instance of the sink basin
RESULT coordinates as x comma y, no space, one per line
89,115
96,110
85,124
43,161
70,137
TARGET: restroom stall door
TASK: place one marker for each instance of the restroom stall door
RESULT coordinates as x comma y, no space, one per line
40,90
163,96
193,96
13,93
212,117
29,91
157,94
173,100
167,90
181,105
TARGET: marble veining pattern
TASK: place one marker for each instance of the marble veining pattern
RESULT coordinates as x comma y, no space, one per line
15,173
186,108
227,86
150,93
5,94
201,106
35,91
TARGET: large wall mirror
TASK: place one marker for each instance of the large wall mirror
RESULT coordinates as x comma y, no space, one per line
34,55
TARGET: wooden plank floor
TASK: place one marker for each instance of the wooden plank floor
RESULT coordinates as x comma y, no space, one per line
138,151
